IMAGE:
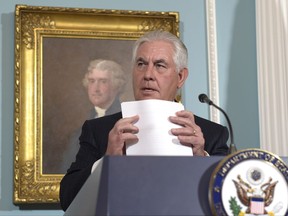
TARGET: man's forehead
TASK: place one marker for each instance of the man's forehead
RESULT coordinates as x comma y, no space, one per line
157,50
99,74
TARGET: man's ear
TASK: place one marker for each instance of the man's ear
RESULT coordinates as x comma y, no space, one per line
183,74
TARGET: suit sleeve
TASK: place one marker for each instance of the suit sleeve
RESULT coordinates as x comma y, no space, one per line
219,145
93,145
215,136
79,170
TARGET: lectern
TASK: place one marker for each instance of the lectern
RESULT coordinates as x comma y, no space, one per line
147,185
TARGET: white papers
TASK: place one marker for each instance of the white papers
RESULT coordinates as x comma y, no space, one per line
154,135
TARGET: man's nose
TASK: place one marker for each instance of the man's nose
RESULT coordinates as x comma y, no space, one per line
149,73
96,86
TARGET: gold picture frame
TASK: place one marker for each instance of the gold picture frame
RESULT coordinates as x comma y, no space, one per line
37,29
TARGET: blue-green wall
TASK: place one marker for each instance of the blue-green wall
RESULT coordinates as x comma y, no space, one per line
237,71
236,33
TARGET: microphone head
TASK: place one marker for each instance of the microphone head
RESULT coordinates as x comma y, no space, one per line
202,98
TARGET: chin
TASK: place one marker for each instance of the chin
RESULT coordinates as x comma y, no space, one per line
147,98
147,95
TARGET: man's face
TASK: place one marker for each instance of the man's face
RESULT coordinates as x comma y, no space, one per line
154,72
101,92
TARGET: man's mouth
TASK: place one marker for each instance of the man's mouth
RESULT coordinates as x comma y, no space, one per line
148,89
97,95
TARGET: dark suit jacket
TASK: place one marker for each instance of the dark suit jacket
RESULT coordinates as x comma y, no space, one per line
93,144
72,147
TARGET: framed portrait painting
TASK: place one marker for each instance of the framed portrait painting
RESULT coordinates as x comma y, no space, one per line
53,48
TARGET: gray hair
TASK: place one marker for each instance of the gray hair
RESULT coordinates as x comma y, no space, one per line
118,76
180,51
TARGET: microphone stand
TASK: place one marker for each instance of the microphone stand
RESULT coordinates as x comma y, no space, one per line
232,147
203,98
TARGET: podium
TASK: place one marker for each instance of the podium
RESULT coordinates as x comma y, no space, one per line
147,185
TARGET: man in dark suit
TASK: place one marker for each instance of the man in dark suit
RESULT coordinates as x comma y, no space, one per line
159,70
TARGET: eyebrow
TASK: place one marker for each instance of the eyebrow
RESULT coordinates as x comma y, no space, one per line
141,59
160,61
155,62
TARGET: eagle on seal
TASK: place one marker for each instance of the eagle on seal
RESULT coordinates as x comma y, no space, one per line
246,193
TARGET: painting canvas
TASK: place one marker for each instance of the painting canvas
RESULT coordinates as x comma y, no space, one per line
66,104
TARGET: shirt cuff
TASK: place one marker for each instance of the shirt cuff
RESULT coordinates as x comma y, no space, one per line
95,165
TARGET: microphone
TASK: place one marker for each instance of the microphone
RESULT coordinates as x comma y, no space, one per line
203,98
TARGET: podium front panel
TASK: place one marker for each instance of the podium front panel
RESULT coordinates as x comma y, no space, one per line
153,185
147,185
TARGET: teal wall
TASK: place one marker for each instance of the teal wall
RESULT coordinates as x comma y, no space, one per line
237,72
236,33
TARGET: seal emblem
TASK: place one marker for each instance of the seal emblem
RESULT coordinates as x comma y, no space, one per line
249,182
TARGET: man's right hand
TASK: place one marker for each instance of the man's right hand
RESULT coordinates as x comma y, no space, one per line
123,130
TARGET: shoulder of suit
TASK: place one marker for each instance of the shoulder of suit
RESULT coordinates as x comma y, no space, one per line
112,117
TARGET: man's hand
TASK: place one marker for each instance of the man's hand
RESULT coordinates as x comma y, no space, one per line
123,130
190,134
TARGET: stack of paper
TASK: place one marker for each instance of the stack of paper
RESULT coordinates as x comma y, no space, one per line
154,135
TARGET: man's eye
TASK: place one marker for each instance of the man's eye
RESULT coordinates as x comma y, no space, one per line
160,66
140,64
103,81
